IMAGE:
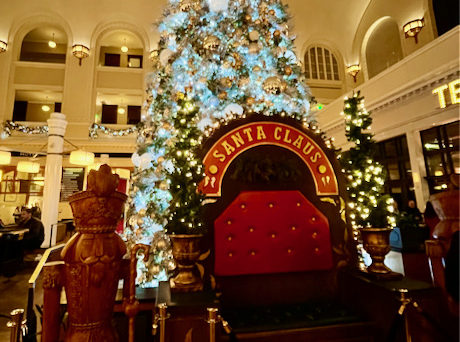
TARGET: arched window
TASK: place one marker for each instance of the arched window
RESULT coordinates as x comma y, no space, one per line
321,64
383,48
45,44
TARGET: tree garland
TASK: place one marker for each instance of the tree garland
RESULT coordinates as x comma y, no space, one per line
95,128
10,126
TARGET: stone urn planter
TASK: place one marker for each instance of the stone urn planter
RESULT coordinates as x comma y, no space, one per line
186,250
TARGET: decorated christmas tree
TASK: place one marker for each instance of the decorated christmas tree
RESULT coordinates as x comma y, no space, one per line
216,60
368,207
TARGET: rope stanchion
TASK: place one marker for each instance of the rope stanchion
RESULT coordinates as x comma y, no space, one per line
401,320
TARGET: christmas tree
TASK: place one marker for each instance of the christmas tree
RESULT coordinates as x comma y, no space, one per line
368,207
216,60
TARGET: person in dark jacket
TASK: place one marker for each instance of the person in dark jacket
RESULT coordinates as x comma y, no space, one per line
34,238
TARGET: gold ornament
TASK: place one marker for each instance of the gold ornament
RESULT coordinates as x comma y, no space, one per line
222,95
244,81
211,43
247,17
186,5
226,82
271,12
254,35
256,68
273,85
254,48
288,70
142,212
250,101
140,221
257,22
164,185
276,34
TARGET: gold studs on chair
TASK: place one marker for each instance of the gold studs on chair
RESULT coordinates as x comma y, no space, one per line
314,235
271,205
251,229
293,228
289,251
273,235
243,206
229,222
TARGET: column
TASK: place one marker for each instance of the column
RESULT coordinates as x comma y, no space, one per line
53,174
417,164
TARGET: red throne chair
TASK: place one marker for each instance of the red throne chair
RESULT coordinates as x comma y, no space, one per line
278,235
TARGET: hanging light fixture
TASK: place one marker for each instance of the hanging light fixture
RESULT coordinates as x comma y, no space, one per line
80,157
124,48
80,51
5,157
52,43
46,108
353,71
28,167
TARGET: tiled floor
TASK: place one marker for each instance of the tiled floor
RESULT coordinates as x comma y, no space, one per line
13,295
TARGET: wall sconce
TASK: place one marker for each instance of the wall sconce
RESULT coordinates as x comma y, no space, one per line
353,71
3,46
80,51
413,28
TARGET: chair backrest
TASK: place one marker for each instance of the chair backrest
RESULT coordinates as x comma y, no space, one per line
278,232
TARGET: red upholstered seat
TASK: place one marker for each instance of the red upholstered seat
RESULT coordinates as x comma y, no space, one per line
263,232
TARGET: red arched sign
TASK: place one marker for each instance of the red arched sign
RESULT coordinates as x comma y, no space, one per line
235,142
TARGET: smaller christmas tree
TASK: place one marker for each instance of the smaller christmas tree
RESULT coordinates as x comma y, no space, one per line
183,215
365,176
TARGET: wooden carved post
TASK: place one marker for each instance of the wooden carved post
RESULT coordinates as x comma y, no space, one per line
52,286
93,258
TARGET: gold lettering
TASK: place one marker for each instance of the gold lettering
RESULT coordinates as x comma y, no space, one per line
248,131
260,133
441,96
228,148
314,158
237,139
218,155
454,88
298,142
308,148
286,136
277,136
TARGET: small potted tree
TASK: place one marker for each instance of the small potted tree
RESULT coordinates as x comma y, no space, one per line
183,218
370,213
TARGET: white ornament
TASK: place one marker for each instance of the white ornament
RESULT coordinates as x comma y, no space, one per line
218,5
233,109
136,159
204,123
164,56
145,160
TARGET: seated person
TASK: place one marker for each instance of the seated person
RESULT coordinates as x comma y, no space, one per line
34,238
